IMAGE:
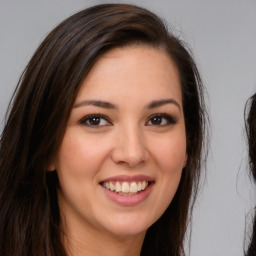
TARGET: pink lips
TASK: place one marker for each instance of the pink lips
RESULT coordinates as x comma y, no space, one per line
129,200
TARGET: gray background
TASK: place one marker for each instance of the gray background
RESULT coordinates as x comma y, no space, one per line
222,35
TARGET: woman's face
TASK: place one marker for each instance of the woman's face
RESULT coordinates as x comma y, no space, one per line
121,158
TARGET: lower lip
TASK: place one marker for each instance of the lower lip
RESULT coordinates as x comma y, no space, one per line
129,200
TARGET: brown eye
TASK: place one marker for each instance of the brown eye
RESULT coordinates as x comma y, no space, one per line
160,120
156,120
95,121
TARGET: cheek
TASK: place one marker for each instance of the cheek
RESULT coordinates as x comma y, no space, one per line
80,154
169,158
170,154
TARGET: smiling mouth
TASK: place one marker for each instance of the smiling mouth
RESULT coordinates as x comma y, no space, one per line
126,188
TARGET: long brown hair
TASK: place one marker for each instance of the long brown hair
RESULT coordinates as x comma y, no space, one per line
251,137
38,114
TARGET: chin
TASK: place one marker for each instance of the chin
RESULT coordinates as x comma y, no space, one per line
125,233
126,227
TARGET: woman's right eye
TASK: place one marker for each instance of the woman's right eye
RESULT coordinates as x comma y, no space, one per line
95,121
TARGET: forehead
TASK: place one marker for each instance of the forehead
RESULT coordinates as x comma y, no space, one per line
132,71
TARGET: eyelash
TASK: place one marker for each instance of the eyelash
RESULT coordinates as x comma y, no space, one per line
99,117
88,120
169,119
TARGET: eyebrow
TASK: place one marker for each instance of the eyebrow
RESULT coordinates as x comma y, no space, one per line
97,103
108,105
159,103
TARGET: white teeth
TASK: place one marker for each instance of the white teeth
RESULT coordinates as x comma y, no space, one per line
143,185
133,187
139,186
125,188
118,187
111,186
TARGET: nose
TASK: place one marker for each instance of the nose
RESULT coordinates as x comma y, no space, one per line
130,148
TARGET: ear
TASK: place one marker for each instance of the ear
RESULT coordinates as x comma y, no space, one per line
51,167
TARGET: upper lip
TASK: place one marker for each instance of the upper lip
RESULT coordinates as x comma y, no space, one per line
129,178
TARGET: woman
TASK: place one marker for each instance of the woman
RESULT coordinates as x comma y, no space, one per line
102,149
251,136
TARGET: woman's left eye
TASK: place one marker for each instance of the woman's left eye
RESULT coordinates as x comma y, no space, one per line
95,121
160,120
